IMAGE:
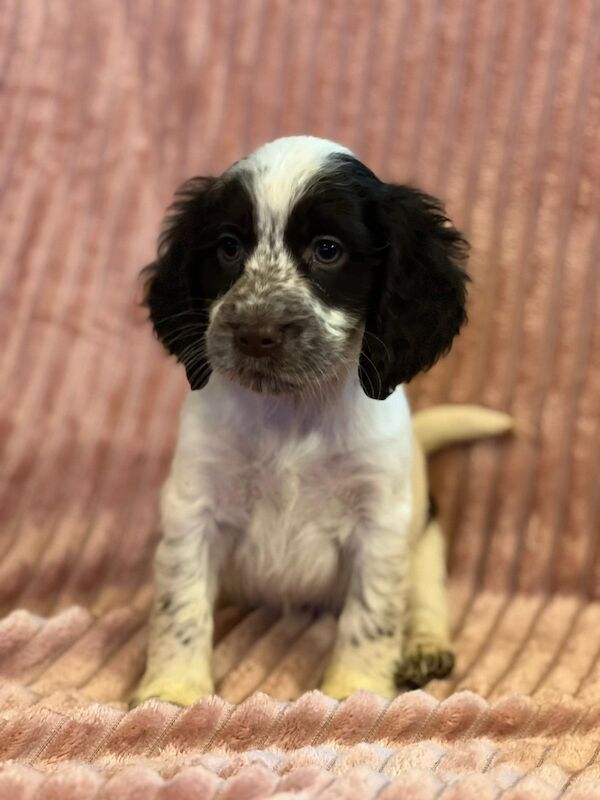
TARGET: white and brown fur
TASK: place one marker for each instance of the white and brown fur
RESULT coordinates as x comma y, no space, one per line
297,480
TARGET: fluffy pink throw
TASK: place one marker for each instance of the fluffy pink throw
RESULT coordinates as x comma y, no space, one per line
106,107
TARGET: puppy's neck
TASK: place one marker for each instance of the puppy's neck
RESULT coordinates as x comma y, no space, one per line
312,409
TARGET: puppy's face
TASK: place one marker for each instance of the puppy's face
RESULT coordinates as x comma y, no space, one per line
298,265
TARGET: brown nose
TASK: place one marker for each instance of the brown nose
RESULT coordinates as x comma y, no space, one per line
258,340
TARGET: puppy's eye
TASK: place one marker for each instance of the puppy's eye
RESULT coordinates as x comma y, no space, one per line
327,250
229,249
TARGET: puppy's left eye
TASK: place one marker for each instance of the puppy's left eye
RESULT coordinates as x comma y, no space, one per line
229,248
327,250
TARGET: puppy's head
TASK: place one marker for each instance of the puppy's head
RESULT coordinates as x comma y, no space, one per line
299,264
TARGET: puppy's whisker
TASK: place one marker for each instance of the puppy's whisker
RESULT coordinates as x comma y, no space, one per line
194,356
200,370
188,312
177,336
313,386
382,343
184,321
365,375
376,372
197,360
202,373
181,333
197,344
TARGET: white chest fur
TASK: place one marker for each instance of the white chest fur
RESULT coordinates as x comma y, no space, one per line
290,487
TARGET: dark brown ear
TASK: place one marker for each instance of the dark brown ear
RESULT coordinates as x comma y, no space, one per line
179,319
418,305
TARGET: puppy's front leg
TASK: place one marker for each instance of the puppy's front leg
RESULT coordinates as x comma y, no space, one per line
178,667
370,630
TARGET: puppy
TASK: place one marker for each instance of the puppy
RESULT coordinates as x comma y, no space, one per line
300,292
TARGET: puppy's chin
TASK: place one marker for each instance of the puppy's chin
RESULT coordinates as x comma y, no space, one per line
268,385
264,380
305,385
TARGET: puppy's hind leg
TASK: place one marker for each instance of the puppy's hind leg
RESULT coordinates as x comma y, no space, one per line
428,653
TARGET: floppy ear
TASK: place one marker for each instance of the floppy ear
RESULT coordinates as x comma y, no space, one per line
418,302
179,319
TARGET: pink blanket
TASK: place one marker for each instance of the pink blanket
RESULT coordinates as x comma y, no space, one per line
106,106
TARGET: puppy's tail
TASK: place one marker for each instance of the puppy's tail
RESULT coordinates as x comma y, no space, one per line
444,425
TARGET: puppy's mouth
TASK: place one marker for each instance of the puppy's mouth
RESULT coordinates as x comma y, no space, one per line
264,376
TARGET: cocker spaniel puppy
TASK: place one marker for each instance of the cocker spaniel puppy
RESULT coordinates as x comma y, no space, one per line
300,292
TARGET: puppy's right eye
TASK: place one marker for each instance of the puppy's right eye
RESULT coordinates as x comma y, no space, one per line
327,250
229,249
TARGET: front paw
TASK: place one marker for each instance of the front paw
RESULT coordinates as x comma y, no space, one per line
424,661
179,690
340,682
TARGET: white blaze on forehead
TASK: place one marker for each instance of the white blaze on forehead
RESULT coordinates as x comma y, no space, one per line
278,173
281,169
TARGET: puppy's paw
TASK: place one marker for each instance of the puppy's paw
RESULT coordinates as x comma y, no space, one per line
180,691
423,661
341,682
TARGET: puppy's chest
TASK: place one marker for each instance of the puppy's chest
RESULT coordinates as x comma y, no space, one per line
288,490
290,516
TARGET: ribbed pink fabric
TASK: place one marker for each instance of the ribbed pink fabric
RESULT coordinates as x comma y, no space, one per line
106,107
